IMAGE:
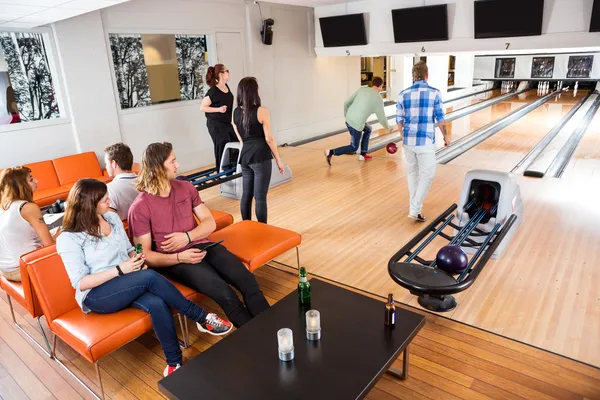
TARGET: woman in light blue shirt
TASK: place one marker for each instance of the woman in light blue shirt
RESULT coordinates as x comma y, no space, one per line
109,276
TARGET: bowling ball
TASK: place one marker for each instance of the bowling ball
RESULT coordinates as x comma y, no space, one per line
452,259
182,178
391,148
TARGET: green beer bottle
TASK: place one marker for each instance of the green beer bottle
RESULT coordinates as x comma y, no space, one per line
138,250
303,288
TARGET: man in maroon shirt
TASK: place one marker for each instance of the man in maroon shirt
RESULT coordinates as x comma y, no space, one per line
161,219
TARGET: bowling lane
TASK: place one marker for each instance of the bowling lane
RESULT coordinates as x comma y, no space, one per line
469,123
469,101
506,148
457,128
585,163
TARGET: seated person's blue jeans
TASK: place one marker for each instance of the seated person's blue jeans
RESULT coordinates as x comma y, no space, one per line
353,146
150,292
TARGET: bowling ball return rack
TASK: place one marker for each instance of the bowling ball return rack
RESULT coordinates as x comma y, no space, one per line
211,177
433,286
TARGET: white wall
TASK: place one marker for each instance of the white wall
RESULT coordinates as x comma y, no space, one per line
36,143
180,123
87,79
400,74
463,70
438,73
565,25
304,93
41,140
485,66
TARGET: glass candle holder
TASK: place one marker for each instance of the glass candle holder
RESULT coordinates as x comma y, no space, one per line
313,325
285,342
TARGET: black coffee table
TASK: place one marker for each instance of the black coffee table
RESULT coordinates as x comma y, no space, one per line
355,350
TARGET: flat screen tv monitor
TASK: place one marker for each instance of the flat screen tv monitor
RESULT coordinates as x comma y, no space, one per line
508,18
343,30
595,22
420,24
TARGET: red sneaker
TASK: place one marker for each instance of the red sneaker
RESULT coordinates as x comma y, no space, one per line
364,156
170,369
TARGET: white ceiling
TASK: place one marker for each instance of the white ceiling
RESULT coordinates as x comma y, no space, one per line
310,3
32,13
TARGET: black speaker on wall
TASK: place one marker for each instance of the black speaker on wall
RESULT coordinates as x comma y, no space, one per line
267,31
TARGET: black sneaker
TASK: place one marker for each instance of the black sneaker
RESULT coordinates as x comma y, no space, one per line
214,325
328,155
417,217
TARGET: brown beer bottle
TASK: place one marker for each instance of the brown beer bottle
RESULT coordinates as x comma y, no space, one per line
390,311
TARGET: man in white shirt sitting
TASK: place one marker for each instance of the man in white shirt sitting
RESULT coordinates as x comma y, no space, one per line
121,191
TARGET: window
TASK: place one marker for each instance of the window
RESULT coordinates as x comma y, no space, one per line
155,68
26,86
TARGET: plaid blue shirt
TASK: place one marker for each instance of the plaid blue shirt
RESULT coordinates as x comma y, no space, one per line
417,109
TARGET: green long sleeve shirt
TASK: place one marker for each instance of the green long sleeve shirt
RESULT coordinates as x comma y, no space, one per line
364,102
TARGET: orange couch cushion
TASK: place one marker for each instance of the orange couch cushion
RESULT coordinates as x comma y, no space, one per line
23,291
45,173
255,243
96,335
14,290
45,197
70,169
222,219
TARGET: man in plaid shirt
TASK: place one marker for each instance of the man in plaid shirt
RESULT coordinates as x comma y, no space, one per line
419,107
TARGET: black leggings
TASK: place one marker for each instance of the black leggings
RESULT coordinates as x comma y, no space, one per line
221,134
256,180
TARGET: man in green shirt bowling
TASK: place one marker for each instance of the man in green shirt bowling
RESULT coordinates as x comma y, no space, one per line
357,109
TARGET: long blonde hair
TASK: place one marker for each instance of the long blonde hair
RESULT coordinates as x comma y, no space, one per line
14,186
152,178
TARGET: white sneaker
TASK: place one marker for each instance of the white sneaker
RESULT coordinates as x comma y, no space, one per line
361,158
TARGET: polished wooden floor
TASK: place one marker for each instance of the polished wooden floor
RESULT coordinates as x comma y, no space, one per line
585,164
449,360
353,217
542,292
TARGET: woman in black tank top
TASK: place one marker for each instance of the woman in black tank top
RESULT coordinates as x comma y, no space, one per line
218,105
252,125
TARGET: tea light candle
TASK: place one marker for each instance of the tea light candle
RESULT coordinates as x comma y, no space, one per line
313,325
285,341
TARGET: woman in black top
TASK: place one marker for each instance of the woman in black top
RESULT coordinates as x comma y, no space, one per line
252,125
218,105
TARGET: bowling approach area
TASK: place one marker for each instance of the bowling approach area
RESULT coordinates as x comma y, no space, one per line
537,287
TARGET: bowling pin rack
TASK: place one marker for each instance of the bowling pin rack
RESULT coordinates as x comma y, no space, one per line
433,286
211,177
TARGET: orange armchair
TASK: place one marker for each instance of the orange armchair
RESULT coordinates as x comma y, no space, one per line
92,335
24,294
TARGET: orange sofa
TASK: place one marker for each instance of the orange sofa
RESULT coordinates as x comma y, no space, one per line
56,177
46,290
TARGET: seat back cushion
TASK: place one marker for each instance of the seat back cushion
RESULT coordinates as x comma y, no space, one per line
44,172
52,285
31,298
72,168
